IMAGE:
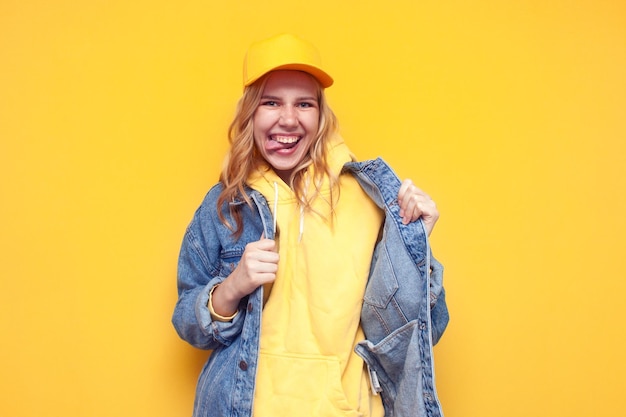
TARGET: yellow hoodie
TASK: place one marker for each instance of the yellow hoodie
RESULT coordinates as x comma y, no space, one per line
307,365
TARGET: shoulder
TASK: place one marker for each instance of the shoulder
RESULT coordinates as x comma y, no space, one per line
211,210
213,194
207,210
215,191
375,171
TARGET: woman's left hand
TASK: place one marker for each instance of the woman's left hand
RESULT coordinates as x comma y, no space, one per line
415,203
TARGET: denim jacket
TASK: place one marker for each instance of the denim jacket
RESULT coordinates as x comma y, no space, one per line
404,311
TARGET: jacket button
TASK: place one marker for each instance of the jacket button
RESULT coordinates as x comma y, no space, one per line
243,366
249,307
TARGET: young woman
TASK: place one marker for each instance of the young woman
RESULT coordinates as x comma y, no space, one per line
305,272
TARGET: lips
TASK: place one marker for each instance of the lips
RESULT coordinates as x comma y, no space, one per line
278,142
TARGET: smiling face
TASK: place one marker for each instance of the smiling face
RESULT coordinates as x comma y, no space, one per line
286,120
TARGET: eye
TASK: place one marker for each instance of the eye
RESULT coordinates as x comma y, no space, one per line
306,104
270,103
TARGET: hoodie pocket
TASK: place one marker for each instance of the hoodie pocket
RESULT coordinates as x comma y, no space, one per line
300,385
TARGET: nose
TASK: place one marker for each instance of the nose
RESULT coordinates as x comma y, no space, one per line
288,116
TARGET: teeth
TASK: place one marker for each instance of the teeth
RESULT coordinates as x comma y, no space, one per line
286,139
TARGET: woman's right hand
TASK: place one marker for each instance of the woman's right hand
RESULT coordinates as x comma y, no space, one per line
258,266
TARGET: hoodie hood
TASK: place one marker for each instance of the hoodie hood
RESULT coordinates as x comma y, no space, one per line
279,194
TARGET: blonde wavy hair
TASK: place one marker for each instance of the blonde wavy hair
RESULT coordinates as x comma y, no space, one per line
243,157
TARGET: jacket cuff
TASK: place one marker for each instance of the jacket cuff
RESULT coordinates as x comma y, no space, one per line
222,331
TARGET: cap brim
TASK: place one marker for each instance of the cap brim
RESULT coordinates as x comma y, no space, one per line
324,79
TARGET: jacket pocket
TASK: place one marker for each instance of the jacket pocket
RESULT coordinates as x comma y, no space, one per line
229,258
300,385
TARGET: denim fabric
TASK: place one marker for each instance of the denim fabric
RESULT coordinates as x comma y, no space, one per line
404,311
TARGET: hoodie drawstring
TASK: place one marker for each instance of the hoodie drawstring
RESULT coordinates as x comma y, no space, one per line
275,206
275,213
301,223
307,182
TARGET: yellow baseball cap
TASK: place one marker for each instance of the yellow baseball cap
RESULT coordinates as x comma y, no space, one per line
283,52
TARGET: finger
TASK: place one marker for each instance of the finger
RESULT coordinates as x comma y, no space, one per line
410,207
412,210
430,215
265,249
421,206
417,196
263,244
262,267
263,270
404,188
267,256
403,193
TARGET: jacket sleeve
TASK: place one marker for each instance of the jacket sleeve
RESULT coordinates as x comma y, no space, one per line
198,271
439,315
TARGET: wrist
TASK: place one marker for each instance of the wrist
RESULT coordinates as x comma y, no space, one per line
221,313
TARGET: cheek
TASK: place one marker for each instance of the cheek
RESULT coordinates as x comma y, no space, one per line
313,123
261,123
257,127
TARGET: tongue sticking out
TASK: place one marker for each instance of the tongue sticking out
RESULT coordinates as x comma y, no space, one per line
277,143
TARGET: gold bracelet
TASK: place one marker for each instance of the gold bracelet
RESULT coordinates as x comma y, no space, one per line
214,315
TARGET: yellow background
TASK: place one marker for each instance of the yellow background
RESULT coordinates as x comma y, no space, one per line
511,115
